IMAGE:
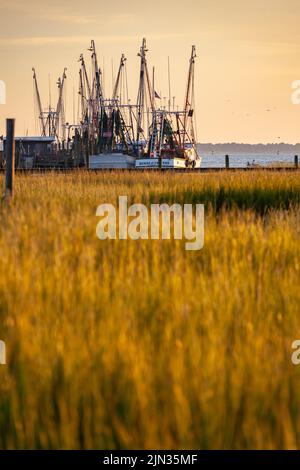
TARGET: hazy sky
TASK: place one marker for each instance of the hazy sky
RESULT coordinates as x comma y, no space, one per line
248,55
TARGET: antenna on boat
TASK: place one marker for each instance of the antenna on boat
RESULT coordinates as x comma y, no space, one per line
169,82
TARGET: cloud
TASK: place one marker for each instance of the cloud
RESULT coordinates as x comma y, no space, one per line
14,6
38,41
59,13
73,19
78,18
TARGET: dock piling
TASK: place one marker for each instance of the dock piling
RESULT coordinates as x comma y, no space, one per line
296,161
10,158
226,161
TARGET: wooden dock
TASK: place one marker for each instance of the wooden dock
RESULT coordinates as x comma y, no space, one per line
157,170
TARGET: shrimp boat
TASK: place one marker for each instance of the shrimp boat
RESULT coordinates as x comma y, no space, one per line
141,135
112,132
107,124
170,145
171,142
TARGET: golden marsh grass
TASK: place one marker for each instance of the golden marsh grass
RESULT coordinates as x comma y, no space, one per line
141,344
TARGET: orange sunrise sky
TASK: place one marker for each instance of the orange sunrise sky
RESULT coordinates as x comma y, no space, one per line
248,56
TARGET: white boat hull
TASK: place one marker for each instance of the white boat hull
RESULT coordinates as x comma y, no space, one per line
111,161
165,163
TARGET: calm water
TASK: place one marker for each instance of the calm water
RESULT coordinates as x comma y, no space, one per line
240,160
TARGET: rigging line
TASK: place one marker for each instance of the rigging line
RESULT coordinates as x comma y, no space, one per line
64,105
78,104
34,106
112,73
49,80
169,80
126,84
123,87
194,107
103,76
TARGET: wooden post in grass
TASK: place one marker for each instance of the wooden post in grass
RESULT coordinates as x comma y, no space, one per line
10,157
226,161
296,161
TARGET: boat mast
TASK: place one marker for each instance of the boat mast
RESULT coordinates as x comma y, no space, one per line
85,92
82,98
144,87
188,127
97,100
97,75
141,92
60,110
117,92
85,78
39,103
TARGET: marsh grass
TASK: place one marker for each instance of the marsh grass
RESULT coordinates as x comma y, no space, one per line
141,344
